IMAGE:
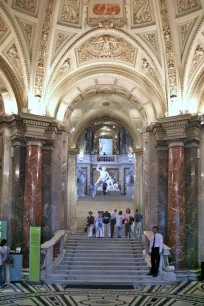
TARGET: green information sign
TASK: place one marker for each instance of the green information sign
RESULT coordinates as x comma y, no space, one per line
3,230
34,262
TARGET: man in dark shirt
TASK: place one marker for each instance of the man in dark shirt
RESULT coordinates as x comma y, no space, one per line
138,224
106,221
104,187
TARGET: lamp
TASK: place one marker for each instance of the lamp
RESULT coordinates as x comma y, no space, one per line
173,98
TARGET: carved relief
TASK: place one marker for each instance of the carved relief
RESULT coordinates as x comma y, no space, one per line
13,56
60,39
141,11
43,49
28,30
151,37
171,66
198,56
106,47
184,5
146,67
184,31
65,66
29,5
106,9
71,11
3,27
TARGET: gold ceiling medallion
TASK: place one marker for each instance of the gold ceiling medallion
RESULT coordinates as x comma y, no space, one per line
106,13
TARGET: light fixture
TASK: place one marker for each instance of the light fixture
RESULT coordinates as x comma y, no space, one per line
173,98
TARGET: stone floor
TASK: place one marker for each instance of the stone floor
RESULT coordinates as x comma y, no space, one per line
184,294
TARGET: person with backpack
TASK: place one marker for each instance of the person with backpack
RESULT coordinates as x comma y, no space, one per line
106,221
90,224
99,225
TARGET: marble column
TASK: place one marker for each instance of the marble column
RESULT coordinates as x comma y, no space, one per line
176,204
47,152
18,189
201,198
33,191
71,189
162,150
138,178
191,199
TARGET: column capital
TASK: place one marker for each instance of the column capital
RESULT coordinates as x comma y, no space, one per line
34,142
73,151
176,143
18,141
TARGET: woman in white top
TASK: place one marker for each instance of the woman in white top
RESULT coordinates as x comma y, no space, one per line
119,223
7,267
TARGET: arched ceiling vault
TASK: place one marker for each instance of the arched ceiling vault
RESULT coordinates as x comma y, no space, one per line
51,48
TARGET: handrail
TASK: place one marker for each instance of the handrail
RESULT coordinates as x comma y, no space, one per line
165,270
53,251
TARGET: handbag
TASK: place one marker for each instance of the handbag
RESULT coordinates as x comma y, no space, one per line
9,259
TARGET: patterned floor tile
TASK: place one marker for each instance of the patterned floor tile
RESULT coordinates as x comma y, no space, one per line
183,294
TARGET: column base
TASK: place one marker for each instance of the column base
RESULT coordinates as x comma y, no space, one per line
188,275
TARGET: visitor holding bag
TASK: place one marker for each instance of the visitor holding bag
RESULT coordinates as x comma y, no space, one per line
7,261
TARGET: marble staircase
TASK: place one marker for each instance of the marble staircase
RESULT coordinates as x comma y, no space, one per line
101,261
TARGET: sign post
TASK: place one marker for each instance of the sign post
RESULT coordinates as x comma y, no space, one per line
34,258
3,230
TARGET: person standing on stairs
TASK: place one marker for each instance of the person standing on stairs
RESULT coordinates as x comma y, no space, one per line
90,224
113,222
155,250
99,225
127,221
138,224
119,223
106,221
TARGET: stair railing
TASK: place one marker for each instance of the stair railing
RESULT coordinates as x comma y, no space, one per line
166,271
52,252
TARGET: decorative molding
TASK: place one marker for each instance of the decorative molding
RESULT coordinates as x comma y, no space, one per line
141,12
71,12
39,80
29,5
171,65
12,54
184,5
106,47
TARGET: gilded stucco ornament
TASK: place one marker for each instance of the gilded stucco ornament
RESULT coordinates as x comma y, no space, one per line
71,12
106,47
184,5
12,53
3,27
151,37
141,11
28,30
43,50
184,31
146,67
198,56
171,65
29,5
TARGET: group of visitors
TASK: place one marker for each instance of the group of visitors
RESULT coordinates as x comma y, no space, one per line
103,225
5,262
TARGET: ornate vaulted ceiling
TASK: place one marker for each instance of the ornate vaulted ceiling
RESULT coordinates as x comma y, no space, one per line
65,58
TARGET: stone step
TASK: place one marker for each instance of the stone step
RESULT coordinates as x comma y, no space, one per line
154,281
106,258
101,262
102,252
101,272
65,267
99,277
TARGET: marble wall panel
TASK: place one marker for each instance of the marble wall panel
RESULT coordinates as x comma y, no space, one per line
163,189
201,200
71,191
176,206
150,189
33,192
6,189
46,192
191,200
18,189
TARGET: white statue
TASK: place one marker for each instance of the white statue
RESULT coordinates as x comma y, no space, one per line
130,176
104,176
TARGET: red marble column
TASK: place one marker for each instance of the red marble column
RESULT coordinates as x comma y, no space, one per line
33,192
176,204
